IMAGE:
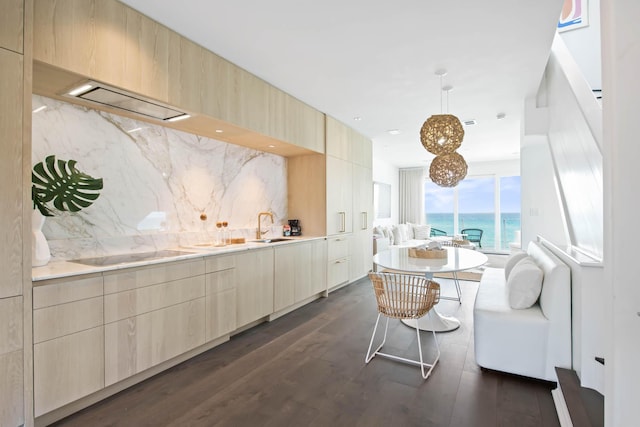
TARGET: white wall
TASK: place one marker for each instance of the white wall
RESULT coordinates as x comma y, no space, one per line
541,212
388,174
575,135
621,290
584,44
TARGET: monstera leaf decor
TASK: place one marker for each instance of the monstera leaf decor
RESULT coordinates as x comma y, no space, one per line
59,181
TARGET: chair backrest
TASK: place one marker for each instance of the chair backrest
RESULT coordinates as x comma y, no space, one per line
436,232
404,296
473,234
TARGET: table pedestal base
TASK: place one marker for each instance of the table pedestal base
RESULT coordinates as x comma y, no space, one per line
434,321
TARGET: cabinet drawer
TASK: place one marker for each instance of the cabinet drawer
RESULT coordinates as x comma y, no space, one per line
138,343
64,319
337,248
220,263
60,291
146,276
220,303
143,300
338,272
68,368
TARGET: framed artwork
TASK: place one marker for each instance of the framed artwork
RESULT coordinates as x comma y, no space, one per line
575,14
381,200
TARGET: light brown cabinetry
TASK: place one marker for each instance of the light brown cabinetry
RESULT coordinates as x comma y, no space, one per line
350,190
361,239
339,196
220,296
152,314
300,272
254,285
110,42
11,185
12,25
338,259
11,365
68,351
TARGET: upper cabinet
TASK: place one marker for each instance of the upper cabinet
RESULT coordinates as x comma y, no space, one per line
112,43
12,25
347,144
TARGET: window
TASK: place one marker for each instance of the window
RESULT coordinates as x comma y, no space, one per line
490,203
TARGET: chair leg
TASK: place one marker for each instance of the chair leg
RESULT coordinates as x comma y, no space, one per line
432,364
458,290
370,355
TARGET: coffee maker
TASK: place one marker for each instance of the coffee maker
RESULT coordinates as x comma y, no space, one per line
296,230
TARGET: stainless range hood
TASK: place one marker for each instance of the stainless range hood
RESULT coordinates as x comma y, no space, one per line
102,94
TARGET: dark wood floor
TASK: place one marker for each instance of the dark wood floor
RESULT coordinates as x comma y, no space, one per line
307,369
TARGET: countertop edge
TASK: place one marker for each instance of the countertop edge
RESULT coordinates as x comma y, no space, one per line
62,269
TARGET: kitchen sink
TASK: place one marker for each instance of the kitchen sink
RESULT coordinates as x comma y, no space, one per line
275,240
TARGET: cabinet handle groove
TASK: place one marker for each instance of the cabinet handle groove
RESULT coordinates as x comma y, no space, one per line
343,222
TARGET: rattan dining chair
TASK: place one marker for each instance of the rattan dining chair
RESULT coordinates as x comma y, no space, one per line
404,296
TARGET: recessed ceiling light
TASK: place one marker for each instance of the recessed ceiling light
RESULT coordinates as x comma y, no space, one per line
219,131
272,146
393,131
37,110
357,118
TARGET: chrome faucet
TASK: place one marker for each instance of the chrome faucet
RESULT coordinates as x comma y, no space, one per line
259,233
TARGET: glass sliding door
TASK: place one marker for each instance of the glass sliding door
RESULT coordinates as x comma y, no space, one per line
490,203
476,208
439,206
509,210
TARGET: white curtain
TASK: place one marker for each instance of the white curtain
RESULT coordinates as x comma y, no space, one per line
412,195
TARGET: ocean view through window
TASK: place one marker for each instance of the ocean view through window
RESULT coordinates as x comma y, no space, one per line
491,204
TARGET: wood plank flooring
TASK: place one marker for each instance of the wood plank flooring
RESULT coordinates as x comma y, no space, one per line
307,369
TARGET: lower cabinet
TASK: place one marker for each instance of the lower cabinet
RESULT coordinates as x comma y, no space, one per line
338,261
299,272
220,296
254,291
152,320
68,351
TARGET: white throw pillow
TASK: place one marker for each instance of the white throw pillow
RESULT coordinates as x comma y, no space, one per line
404,232
397,235
513,259
421,232
524,284
410,231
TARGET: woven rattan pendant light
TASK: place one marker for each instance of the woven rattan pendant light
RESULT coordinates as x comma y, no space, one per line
447,170
442,135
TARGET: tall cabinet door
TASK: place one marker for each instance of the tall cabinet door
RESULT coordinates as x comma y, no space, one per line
13,341
361,241
339,195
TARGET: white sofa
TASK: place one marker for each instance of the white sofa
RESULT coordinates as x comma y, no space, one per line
532,341
409,235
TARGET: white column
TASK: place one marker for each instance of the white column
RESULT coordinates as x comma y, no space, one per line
621,105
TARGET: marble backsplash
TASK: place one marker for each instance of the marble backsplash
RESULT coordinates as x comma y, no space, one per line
157,182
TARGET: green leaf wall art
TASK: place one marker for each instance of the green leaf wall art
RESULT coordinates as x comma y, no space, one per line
59,182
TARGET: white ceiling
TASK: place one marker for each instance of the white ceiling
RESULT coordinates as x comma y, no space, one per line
377,60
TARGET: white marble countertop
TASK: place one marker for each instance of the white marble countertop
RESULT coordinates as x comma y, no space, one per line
59,269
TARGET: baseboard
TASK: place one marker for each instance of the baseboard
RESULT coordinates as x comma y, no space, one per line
561,407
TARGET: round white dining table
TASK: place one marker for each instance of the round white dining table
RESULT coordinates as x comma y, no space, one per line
457,259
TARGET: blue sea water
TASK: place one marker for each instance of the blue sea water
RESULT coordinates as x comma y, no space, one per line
509,223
